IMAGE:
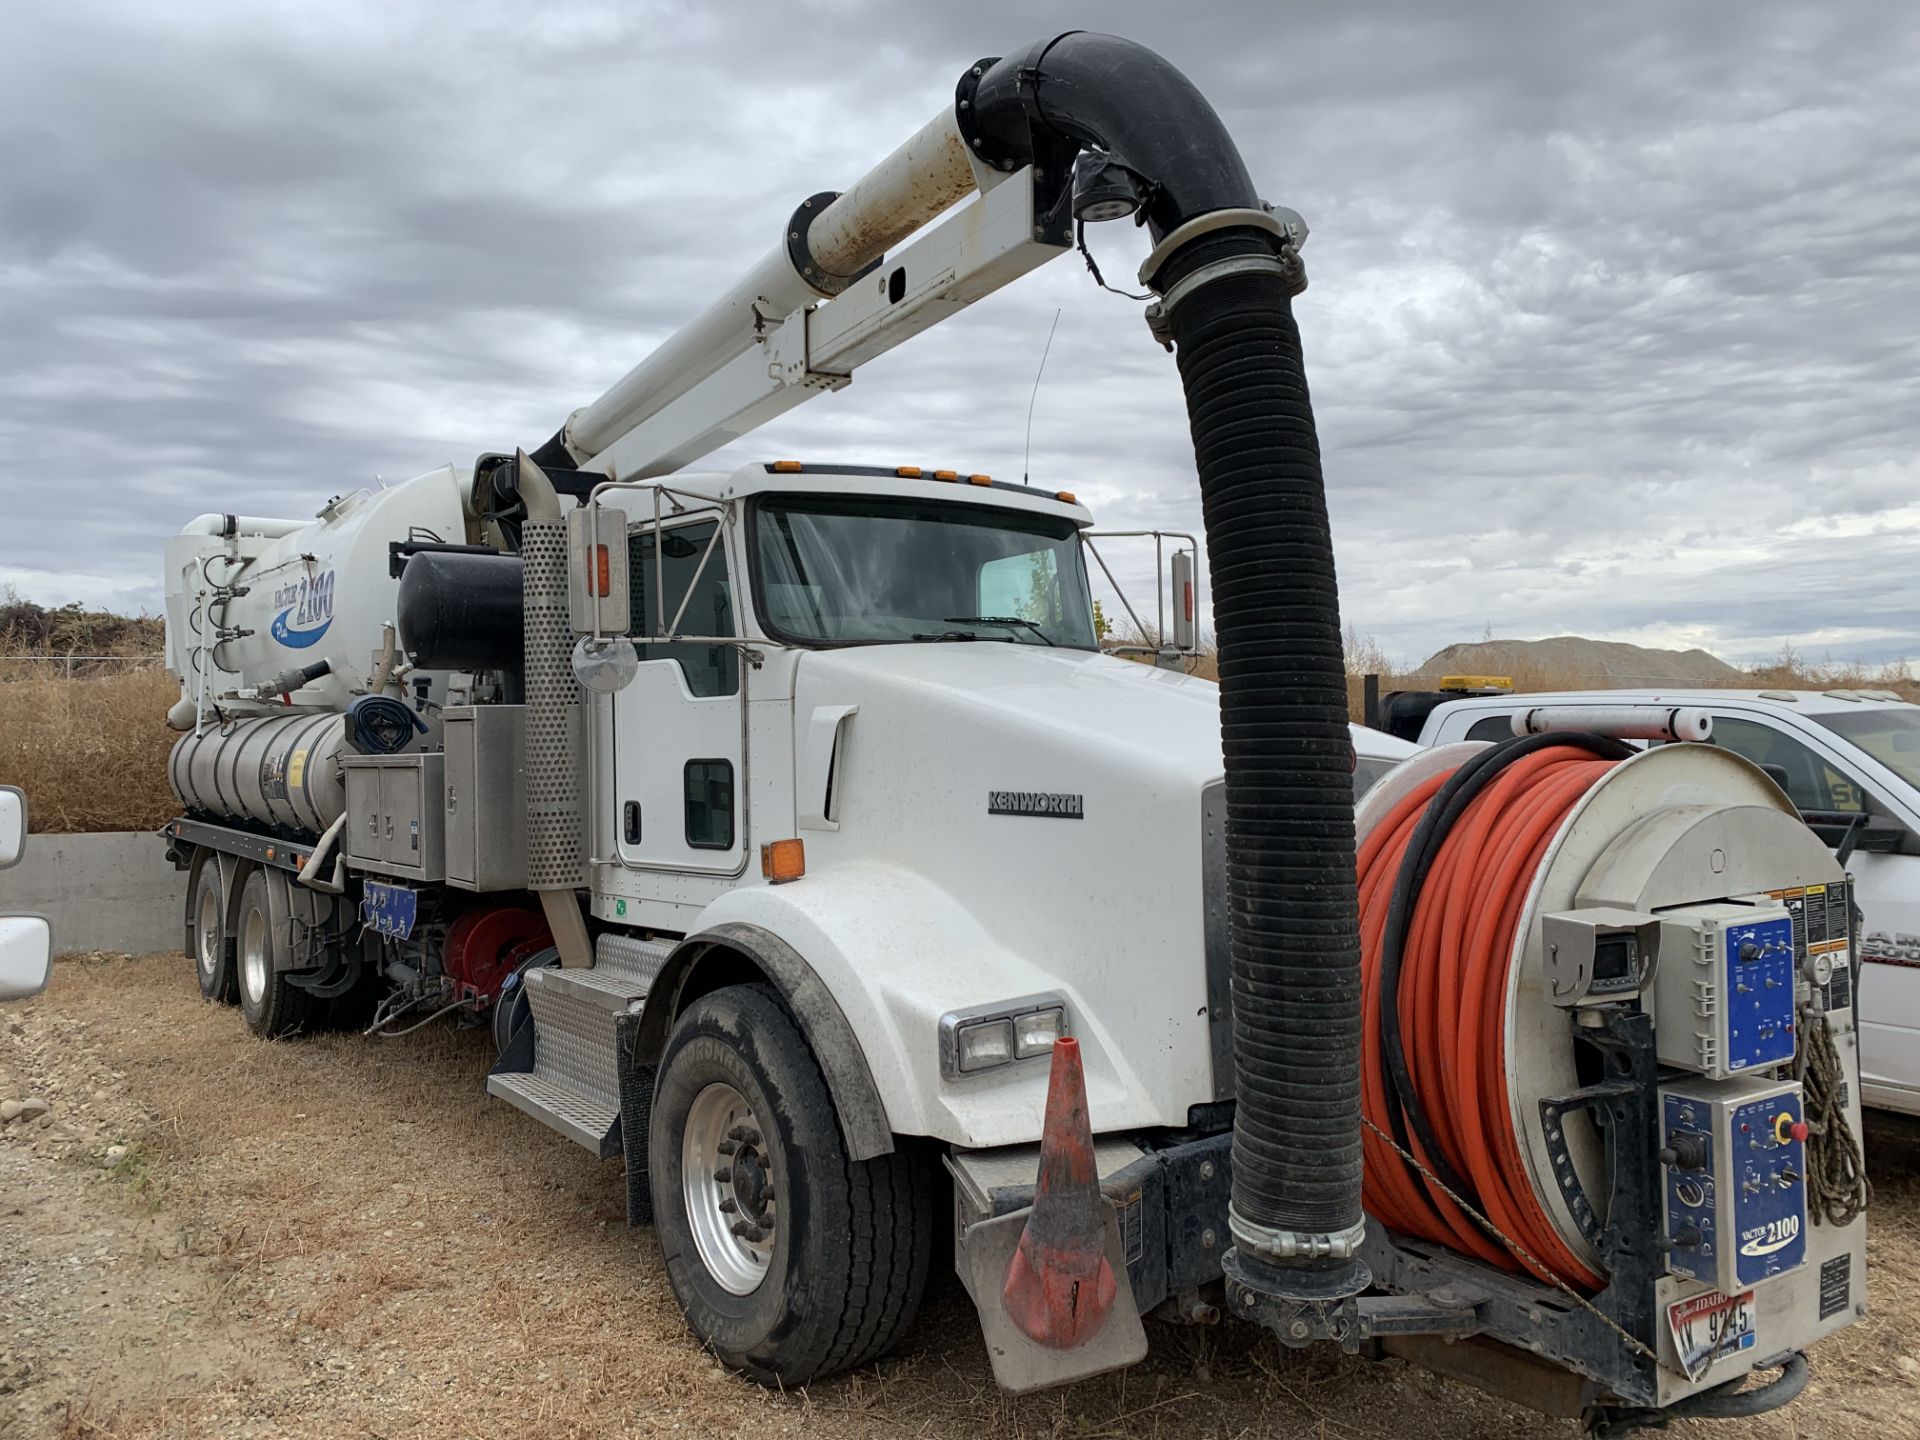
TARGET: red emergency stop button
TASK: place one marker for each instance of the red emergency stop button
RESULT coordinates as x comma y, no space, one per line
1786,1128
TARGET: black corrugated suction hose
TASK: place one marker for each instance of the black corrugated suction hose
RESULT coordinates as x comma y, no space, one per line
1283,720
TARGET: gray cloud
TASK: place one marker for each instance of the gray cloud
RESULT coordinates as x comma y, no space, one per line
1611,327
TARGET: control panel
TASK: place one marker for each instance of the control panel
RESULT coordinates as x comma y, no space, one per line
1733,1162
1725,989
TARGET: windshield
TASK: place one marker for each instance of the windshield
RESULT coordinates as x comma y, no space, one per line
1890,736
852,570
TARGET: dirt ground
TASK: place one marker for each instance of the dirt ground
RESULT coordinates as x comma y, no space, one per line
205,1235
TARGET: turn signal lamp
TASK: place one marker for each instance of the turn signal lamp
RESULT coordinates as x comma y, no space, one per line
783,860
786,467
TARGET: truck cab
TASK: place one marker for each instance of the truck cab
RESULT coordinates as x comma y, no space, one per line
1850,761
894,689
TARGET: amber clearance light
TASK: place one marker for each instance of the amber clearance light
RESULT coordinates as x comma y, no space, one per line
783,860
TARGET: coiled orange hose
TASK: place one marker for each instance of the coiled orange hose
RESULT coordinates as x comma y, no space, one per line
1452,1010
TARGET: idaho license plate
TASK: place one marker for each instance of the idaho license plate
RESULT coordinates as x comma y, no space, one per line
1707,1327
389,909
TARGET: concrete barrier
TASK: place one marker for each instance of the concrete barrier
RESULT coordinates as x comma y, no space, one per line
112,891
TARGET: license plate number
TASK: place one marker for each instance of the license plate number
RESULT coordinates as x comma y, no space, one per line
1707,1327
389,909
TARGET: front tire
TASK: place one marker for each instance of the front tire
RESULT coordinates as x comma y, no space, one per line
789,1258
271,1004
212,945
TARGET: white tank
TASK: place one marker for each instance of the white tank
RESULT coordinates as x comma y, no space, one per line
318,589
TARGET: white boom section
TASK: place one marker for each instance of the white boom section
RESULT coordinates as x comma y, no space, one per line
773,340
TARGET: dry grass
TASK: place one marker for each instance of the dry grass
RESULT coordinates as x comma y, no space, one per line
90,750
388,1253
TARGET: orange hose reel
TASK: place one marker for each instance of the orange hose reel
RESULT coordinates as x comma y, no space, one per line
1452,998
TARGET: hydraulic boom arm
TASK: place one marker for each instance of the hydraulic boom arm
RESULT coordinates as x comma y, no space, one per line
834,293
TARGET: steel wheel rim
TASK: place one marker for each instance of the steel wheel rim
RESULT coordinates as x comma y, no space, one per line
253,954
207,933
726,1183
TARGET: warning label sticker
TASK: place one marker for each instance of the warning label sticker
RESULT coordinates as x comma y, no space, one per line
1822,917
1836,1285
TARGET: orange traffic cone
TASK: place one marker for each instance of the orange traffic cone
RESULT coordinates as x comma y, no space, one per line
1060,1285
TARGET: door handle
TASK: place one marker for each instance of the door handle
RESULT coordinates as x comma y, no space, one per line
630,821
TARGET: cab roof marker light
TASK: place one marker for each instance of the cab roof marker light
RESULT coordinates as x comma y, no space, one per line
946,474
786,467
979,479
1068,496
908,472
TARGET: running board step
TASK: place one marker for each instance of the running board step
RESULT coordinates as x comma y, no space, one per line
563,1068
581,1118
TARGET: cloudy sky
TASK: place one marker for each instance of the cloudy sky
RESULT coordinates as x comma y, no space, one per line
1612,327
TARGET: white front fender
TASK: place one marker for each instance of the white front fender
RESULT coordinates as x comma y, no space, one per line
897,952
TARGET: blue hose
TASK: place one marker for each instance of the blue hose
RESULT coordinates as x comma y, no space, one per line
381,725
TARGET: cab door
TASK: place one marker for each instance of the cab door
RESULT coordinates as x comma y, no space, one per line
679,784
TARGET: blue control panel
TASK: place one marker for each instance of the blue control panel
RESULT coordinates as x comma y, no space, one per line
389,909
1736,1188
1759,960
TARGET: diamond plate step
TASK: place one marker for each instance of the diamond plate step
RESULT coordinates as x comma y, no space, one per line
638,961
579,1117
574,1083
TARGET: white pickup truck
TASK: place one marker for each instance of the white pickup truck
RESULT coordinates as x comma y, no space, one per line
1850,760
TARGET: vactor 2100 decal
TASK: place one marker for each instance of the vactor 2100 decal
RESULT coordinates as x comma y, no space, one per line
308,610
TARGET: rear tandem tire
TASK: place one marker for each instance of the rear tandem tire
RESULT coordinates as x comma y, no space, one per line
271,1004
836,1276
212,945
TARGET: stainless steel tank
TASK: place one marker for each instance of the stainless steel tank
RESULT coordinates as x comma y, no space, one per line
281,771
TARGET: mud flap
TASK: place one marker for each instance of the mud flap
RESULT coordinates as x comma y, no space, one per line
1019,1364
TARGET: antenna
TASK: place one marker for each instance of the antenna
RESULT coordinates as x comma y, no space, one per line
1026,466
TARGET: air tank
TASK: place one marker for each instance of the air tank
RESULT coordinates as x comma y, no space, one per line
319,589
280,771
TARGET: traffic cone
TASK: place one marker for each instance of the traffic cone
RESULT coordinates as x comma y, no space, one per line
1060,1285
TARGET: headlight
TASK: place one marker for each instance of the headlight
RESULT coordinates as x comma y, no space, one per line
985,1037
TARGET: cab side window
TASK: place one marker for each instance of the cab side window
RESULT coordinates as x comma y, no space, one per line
1811,783
709,669
1493,727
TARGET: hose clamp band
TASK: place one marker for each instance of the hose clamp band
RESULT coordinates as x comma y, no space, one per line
1286,265
1277,220
1271,1244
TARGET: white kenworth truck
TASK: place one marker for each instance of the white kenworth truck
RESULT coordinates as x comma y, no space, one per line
803,851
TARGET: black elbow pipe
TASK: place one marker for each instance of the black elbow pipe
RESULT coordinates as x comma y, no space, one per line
1227,306
1084,90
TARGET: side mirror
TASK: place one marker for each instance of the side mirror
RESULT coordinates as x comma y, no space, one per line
598,593
1853,831
26,955
13,824
1183,606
